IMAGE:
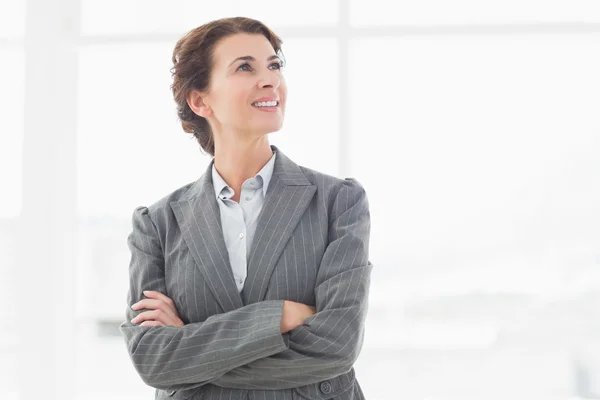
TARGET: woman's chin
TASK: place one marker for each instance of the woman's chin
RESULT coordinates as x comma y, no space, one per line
267,128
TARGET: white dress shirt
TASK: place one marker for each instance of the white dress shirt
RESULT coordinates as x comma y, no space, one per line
239,219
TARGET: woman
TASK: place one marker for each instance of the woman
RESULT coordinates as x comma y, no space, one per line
251,282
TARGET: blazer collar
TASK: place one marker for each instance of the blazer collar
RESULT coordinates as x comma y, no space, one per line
264,175
198,215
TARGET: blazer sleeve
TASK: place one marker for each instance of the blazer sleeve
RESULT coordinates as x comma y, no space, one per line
329,342
177,358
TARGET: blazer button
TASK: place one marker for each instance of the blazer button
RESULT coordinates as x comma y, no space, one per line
171,393
325,387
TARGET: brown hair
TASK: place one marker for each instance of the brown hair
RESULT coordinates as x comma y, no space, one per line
193,60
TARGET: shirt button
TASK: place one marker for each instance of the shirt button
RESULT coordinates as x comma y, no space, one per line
252,183
241,235
248,198
240,280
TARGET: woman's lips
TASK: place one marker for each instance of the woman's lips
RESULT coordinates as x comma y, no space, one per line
267,108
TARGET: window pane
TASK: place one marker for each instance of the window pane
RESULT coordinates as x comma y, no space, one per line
11,129
12,18
131,146
178,16
310,134
426,12
11,178
8,313
480,157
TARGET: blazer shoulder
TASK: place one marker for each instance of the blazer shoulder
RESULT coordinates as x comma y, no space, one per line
332,189
160,207
331,184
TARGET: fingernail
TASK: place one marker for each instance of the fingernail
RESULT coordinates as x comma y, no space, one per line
146,292
133,321
133,307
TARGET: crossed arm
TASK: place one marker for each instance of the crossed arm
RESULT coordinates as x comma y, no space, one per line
244,348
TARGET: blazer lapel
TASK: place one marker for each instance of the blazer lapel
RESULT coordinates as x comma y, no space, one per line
197,213
288,195
199,219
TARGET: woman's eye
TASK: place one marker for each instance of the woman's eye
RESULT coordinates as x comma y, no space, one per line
243,65
278,65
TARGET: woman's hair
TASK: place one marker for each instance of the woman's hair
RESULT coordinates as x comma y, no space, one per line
193,60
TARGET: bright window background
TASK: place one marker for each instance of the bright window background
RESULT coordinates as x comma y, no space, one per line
12,19
487,209
177,16
473,126
11,129
11,141
459,12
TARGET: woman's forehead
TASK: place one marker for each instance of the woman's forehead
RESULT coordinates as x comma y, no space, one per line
242,45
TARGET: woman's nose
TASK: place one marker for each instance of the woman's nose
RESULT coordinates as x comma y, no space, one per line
268,79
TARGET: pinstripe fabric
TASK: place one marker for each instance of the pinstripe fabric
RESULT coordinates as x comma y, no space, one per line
310,246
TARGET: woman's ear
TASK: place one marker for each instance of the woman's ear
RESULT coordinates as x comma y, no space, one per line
196,101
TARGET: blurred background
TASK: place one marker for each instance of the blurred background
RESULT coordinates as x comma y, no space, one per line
473,125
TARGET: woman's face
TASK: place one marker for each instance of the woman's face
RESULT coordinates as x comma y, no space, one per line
237,83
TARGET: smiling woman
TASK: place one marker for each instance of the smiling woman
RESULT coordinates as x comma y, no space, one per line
217,83
251,282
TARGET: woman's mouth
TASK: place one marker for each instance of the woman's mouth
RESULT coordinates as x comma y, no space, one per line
268,106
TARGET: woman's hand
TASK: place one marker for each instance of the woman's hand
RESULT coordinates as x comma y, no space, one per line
163,311
294,315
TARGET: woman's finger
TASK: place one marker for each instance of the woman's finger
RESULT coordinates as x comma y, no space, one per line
159,296
159,316
152,304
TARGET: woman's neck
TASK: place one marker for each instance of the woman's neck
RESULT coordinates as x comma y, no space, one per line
238,162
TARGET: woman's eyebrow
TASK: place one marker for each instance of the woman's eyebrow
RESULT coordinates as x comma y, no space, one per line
250,58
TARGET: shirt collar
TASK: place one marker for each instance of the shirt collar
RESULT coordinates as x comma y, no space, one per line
265,175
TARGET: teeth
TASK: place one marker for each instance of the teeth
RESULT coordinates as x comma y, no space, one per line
265,104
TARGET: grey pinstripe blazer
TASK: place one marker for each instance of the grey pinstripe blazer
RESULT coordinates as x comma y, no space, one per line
311,246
